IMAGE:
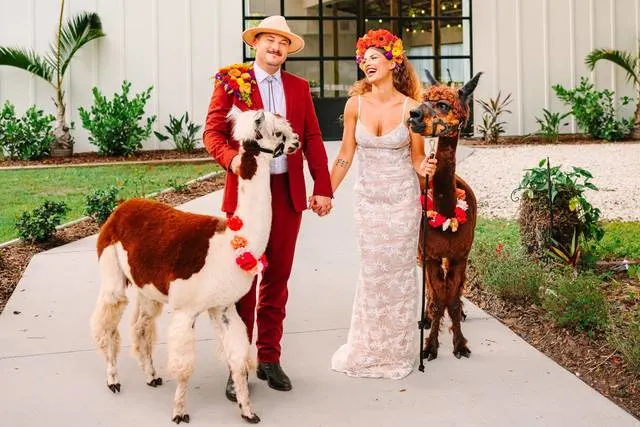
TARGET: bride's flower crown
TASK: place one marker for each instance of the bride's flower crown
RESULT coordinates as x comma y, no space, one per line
382,39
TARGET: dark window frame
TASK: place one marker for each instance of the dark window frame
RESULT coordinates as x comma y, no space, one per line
360,25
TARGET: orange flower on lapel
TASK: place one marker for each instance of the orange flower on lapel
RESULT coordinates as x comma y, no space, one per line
237,80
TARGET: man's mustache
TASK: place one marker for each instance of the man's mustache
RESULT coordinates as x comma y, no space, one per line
274,52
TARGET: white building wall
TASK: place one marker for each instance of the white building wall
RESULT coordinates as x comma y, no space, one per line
176,46
526,46
523,46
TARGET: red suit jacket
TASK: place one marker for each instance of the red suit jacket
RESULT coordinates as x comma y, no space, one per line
300,114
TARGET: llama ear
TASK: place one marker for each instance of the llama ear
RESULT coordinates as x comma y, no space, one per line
260,117
233,113
432,80
465,91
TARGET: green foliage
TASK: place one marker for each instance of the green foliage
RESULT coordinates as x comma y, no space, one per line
571,186
595,111
71,36
182,132
114,124
491,127
621,240
625,337
101,203
40,224
577,302
566,255
28,137
509,273
550,124
175,185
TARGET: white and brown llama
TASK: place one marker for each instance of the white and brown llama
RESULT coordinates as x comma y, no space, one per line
194,263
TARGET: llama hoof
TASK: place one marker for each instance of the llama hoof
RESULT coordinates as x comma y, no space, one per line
253,419
463,351
155,382
181,419
115,388
430,354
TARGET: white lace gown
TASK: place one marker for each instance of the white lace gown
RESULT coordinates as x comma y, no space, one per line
383,336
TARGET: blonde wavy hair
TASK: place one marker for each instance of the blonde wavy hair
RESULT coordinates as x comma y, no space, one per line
405,81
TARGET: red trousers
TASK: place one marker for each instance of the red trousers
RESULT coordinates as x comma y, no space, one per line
273,294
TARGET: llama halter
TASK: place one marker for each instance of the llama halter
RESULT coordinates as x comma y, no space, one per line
244,258
381,39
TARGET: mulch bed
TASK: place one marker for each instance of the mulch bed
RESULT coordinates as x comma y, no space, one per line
81,158
563,139
15,258
592,359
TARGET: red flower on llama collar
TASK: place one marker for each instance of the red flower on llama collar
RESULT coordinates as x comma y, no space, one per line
436,219
244,258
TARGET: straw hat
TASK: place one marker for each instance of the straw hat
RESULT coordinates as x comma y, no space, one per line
275,25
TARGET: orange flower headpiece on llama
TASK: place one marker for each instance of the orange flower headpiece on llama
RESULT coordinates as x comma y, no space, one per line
382,39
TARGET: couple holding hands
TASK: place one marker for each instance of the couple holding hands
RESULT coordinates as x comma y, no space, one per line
382,336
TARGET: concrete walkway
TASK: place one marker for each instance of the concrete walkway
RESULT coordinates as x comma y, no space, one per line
51,375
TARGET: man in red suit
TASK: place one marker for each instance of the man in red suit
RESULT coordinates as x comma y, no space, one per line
280,92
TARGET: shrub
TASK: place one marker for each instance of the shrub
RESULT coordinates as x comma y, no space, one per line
577,302
114,125
549,124
595,111
182,134
491,127
101,203
176,186
509,273
625,337
571,210
28,137
40,224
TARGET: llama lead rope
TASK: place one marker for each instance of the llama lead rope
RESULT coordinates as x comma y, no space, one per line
424,226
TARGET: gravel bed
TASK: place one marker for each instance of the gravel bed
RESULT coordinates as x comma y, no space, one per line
494,172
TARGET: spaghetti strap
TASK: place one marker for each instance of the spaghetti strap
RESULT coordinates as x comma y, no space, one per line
404,109
358,107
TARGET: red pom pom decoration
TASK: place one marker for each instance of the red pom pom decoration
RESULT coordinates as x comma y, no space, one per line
234,223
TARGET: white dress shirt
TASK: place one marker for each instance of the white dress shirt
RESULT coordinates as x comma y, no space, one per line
275,103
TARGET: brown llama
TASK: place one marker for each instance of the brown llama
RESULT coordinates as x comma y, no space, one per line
194,263
451,211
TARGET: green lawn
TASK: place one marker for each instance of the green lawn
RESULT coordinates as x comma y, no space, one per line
22,190
621,239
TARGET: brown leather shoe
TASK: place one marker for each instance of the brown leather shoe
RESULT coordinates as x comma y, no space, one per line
274,375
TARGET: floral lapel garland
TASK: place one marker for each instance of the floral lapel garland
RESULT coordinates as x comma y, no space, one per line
244,258
237,80
436,219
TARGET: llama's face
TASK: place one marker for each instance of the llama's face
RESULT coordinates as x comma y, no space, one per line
444,110
270,134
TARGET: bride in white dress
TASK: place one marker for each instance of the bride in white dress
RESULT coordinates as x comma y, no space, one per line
383,339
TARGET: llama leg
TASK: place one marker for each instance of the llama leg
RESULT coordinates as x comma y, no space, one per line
107,314
143,333
235,343
182,345
436,309
455,282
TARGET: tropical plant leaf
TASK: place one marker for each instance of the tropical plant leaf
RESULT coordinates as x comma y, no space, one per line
624,59
75,33
27,60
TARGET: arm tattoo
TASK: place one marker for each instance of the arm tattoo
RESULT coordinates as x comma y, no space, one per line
342,163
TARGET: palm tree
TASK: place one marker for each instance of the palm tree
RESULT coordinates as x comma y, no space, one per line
75,33
630,64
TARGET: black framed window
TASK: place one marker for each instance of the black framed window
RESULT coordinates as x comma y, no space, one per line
436,35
